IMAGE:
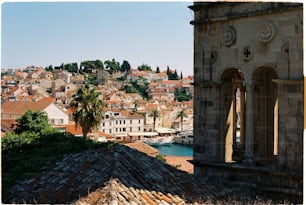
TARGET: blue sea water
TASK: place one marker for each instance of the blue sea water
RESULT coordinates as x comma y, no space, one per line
175,150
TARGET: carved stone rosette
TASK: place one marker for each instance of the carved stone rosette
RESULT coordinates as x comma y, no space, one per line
228,36
266,32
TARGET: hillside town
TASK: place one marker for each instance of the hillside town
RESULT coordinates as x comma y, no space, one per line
100,132
126,113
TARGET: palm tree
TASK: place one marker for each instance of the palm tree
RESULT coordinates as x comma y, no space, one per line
87,109
181,114
154,114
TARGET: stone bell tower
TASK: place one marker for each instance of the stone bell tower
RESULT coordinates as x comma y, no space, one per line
248,68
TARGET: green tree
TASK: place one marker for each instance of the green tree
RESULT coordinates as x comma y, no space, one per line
49,68
130,89
112,66
181,95
181,114
71,67
154,114
87,109
34,121
168,70
30,127
144,67
86,66
175,75
172,75
89,65
138,86
99,64
157,70
181,75
125,67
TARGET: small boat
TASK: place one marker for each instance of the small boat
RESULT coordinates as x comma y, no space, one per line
184,138
159,140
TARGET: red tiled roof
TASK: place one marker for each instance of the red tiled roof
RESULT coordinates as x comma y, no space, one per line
7,78
176,82
103,134
188,112
19,108
71,129
151,106
126,113
8,124
48,99
189,103
19,73
161,74
121,175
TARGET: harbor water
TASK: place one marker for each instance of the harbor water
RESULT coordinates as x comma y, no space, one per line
175,149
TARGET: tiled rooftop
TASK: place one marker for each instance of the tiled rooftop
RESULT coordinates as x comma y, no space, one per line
117,175
22,107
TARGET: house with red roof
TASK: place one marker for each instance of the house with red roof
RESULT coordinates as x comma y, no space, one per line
14,110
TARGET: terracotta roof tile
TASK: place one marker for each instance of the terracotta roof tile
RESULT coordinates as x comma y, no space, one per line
105,135
19,108
8,124
151,106
117,175
71,129
48,99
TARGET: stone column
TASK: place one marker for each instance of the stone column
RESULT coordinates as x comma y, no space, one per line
249,134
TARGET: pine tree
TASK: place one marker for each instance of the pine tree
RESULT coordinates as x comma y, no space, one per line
157,70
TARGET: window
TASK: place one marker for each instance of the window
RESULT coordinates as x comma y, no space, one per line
138,121
123,121
138,128
131,122
103,124
110,131
116,129
130,129
106,116
123,129
61,121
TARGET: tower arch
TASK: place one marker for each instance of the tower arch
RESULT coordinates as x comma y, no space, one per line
233,103
266,119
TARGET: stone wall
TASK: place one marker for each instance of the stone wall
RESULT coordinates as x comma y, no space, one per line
256,47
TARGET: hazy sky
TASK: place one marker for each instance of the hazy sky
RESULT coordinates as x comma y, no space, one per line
153,33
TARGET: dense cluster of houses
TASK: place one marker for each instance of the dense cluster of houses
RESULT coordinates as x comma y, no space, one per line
125,114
